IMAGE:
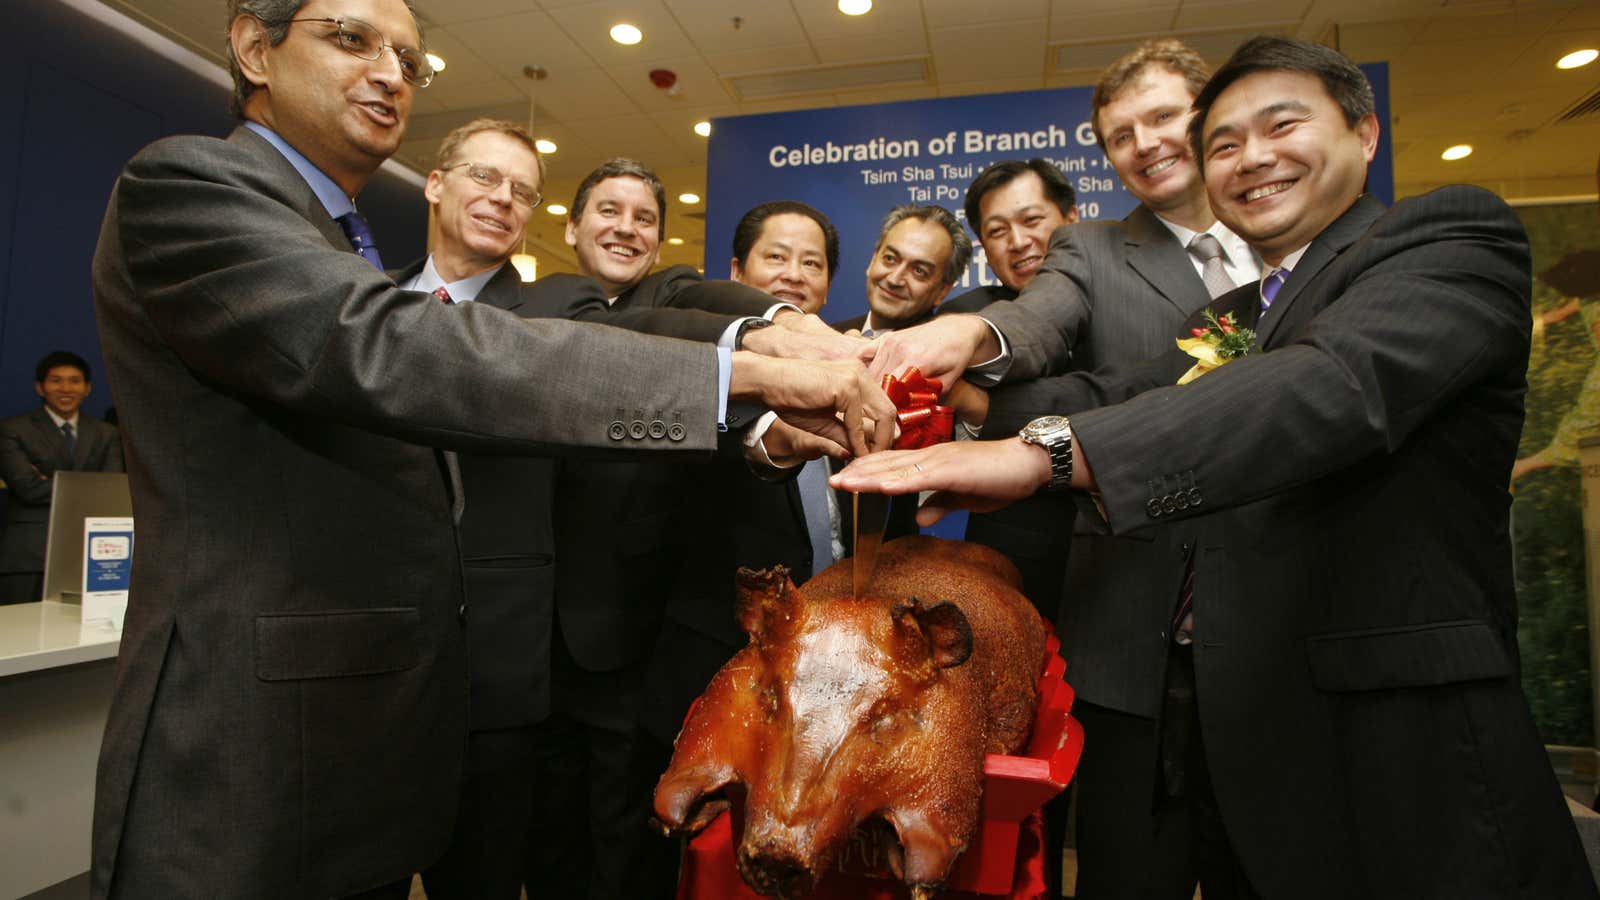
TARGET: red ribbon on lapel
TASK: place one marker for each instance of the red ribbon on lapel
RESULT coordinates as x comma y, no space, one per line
923,422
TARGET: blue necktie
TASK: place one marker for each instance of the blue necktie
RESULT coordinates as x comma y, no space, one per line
813,483
355,228
72,441
1270,286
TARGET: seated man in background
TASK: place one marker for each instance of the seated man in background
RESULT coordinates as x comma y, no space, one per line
58,436
922,251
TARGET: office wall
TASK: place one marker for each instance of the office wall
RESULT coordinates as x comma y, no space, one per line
79,95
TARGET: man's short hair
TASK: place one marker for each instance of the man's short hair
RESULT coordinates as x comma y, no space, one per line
275,14
452,142
621,167
748,231
1056,186
960,244
57,359
1169,53
1341,78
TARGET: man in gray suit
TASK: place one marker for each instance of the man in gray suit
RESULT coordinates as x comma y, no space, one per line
289,715
1115,293
34,446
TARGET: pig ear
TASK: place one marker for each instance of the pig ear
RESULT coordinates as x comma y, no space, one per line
762,596
946,627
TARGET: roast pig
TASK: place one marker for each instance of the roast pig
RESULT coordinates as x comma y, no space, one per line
843,712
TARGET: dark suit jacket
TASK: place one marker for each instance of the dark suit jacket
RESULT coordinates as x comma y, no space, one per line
1121,291
1354,601
976,299
290,708
31,451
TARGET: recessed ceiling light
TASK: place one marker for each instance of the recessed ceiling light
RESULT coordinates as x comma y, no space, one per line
437,62
689,197
545,145
1459,151
626,34
556,209
702,128
1577,58
674,241
855,7
526,265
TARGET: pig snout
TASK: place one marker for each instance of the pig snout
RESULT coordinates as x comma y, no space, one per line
774,871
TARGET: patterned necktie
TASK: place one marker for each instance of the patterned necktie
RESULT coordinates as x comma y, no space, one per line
72,440
1208,250
355,228
1270,286
444,296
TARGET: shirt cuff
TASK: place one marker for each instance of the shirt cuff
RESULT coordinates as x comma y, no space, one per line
989,372
724,375
730,335
756,456
779,307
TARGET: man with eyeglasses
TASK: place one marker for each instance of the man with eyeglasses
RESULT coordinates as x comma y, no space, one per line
289,716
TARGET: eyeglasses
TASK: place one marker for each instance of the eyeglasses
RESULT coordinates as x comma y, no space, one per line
357,38
489,178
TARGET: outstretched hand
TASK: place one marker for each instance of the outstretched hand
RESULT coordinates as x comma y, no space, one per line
975,475
836,400
942,349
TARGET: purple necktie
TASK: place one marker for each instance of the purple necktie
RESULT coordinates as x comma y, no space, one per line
1270,286
355,228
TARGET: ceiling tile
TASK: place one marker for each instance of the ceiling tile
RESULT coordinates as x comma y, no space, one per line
512,42
454,95
946,13
822,19
871,47
583,93
1194,16
697,85
1447,29
1142,22
450,12
1018,49
738,62
710,24
590,28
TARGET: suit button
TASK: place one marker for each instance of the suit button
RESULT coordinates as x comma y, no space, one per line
1169,505
617,431
461,613
1153,507
677,432
637,430
658,430
1194,497
1186,548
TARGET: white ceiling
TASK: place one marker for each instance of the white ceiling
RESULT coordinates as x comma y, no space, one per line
1461,71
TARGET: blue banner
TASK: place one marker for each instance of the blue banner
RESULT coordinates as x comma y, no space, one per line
854,163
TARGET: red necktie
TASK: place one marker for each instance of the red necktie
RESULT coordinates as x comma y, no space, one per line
443,295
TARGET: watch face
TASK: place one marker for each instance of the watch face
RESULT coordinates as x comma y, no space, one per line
1045,424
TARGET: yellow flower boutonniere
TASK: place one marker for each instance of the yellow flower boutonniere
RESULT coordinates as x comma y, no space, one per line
1220,341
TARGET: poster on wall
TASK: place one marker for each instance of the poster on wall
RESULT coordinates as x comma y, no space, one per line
1547,511
855,163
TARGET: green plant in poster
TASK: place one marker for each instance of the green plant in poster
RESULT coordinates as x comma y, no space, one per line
1563,406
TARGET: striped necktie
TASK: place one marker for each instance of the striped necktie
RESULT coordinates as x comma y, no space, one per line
1270,286
355,228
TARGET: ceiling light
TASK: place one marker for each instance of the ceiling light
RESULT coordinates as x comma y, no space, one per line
626,34
1577,58
674,241
855,7
556,209
527,267
1459,151
437,62
702,128
689,198
545,145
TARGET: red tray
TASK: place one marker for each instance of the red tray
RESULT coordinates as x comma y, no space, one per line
1014,790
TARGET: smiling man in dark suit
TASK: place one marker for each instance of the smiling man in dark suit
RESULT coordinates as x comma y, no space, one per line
290,710
1347,721
34,446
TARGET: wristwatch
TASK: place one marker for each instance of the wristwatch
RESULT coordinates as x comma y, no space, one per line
1054,434
748,325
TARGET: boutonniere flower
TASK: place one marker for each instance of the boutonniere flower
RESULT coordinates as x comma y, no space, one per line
1221,341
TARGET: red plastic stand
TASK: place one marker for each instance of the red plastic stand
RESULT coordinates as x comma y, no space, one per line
1006,856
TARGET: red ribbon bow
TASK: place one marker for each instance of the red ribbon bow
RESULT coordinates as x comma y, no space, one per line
923,422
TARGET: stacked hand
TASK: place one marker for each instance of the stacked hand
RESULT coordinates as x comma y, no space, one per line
976,475
942,349
833,399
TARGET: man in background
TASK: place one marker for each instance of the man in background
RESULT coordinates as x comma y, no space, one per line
921,253
1014,206
787,249
56,437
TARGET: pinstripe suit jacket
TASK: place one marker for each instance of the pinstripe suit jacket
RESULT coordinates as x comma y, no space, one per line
1356,647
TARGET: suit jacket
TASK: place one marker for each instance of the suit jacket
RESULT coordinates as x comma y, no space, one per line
1354,598
32,449
290,707
976,299
1120,291
859,322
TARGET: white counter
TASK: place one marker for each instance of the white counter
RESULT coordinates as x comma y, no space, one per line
55,688
35,636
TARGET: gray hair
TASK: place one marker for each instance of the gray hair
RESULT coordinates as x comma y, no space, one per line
275,15
960,244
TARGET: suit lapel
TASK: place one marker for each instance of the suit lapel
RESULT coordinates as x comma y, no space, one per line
1159,259
1326,247
503,289
290,185
52,437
